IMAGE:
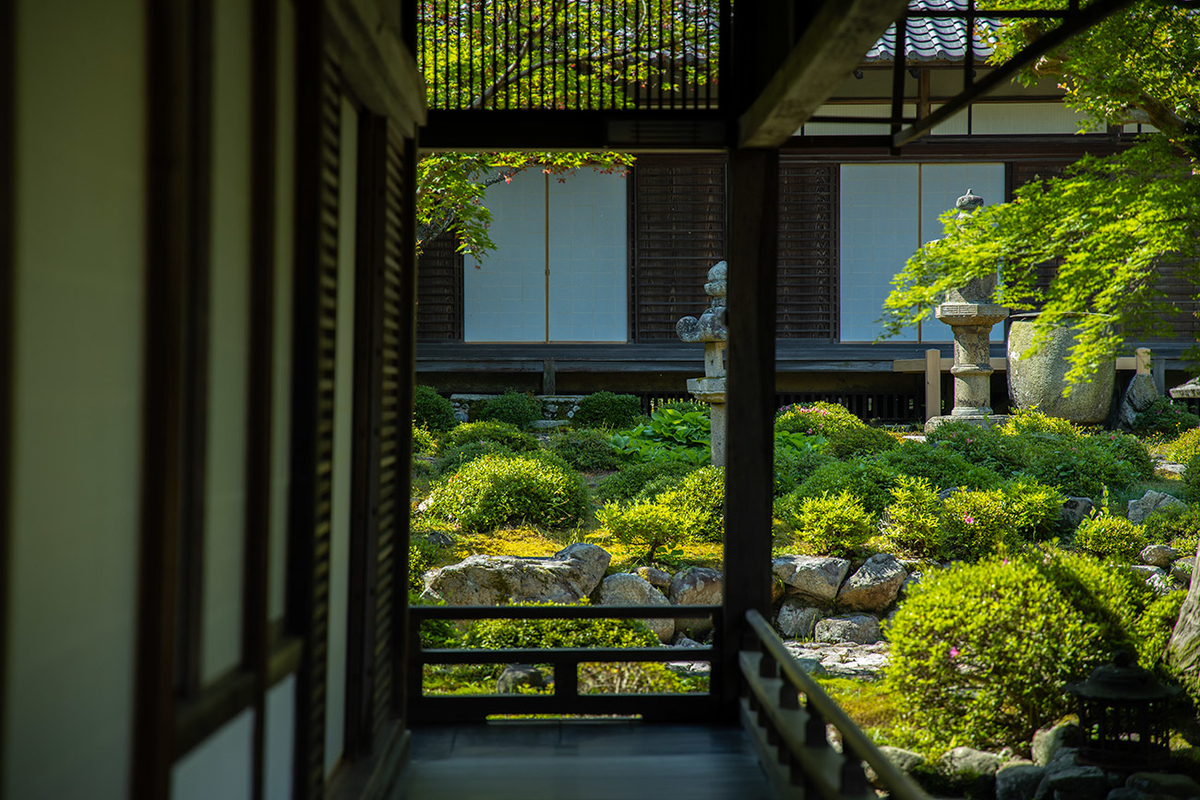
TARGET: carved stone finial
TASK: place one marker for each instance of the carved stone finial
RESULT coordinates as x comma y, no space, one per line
710,327
968,202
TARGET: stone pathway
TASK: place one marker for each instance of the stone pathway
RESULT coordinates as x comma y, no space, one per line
841,660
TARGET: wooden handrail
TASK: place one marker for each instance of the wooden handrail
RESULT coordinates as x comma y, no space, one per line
563,612
773,678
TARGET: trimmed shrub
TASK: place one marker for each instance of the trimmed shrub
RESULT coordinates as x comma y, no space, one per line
503,634
1154,628
984,447
793,467
649,524
1129,450
454,458
1164,418
585,450
1112,537
1077,465
912,523
855,442
634,479
607,410
1186,447
980,653
701,493
943,467
683,407
503,434
422,440
432,411
976,525
819,419
1034,421
867,481
1191,480
836,525
1033,509
496,490
516,408
1178,527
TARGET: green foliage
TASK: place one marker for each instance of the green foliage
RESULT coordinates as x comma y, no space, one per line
870,483
1164,418
976,524
1178,527
502,433
649,524
1191,480
515,408
607,410
912,523
632,479
669,435
635,677
1078,465
1186,447
980,653
984,447
452,459
585,450
431,410
1032,508
1030,420
819,418
702,493
943,467
1110,537
829,524
498,634
855,442
422,440
497,490
1154,628
1130,450
793,467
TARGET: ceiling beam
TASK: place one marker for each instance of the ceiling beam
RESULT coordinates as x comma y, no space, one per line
831,47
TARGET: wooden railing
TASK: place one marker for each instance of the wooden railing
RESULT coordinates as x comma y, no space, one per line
566,698
791,737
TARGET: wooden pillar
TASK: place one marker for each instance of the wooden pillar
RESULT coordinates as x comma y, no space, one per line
749,474
1141,360
933,384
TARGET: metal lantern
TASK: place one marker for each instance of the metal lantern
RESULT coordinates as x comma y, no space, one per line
1123,714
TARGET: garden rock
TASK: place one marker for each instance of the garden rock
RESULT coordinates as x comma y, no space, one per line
856,628
624,589
654,576
566,577
874,586
439,539
1150,502
1048,741
1075,510
1158,555
1018,780
945,494
1077,782
904,760
1139,395
796,619
970,771
1181,570
1155,577
696,586
907,586
517,675
841,660
813,576
1162,783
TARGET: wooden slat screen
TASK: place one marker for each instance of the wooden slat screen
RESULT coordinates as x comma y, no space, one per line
678,223
807,298
1173,280
440,291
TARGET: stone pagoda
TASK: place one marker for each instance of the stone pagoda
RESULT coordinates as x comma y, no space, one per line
710,329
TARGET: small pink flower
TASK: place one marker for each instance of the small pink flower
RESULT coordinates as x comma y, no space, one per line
969,520
953,651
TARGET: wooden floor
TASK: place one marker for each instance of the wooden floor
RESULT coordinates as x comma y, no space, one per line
582,761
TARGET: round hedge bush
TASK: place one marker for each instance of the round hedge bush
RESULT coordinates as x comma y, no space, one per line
793,467
702,493
648,524
818,419
501,433
835,525
912,524
869,482
607,410
585,450
980,653
976,525
1186,447
423,440
1164,418
633,479
943,467
453,458
1110,537
983,447
431,410
496,490
1129,450
857,442
516,408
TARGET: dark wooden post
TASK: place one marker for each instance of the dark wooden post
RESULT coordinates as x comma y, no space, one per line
749,474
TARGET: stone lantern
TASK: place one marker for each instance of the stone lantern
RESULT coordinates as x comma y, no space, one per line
709,328
1123,714
970,315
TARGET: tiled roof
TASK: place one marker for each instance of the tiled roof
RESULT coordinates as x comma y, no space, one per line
933,38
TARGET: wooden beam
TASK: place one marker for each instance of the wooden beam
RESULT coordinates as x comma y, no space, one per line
753,204
832,46
7,270
933,383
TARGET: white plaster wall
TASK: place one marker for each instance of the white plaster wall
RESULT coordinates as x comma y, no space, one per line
77,364
343,401
1027,118
879,213
852,128
588,258
219,768
280,739
228,332
281,417
504,300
